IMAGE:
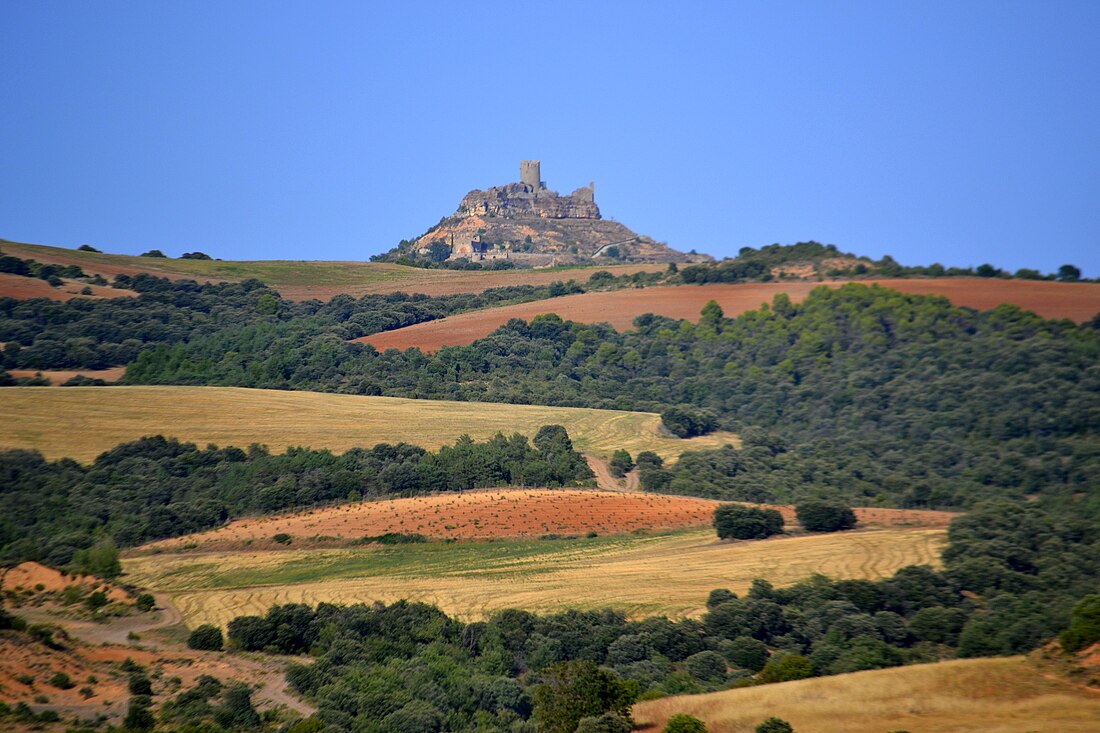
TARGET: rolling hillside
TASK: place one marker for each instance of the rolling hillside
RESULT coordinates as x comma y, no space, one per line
1077,301
1002,695
305,279
82,422
637,574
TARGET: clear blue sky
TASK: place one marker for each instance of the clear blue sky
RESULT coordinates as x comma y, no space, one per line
958,132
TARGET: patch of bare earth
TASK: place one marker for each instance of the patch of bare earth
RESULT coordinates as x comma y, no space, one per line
491,514
1076,301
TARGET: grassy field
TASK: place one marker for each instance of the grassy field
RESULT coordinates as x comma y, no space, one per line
304,279
641,575
1007,695
82,422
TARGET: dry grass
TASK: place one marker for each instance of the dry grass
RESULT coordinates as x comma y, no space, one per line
305,279
669,574
83,422
991,695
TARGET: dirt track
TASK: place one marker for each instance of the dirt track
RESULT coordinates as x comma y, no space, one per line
1077,301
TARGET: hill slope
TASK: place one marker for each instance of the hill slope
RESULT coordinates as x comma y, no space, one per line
83,422
302,279
1006,695
1077,301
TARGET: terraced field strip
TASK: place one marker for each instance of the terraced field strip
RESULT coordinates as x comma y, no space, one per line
494,514
668,574
306,279
1004,695
82,423
1078,301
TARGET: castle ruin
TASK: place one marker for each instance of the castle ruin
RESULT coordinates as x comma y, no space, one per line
529,223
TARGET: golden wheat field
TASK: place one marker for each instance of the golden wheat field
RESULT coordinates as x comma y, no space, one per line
82,423
1006,695
640,575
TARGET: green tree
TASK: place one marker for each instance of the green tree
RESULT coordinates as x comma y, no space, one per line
1084,626
684,723
207,637
711,315
101,559
621,463
1069,273
786,668
236,709
145,602
139,717
267,304
824,516
606,723
734,521
570,691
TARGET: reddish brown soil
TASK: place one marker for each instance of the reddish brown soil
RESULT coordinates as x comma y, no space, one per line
20,655
1077,301
24,288
60,376
41,579
496,514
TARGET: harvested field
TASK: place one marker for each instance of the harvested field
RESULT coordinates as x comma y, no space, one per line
496,514
82,423
640,575
60,376
305,279
1077,301
1005,695
25,288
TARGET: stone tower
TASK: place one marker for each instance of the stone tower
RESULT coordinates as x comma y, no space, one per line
530,175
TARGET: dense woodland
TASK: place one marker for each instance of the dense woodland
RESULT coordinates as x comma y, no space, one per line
860,393
55,512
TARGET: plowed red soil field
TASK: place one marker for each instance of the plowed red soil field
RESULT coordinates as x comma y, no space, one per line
1077,301
501,513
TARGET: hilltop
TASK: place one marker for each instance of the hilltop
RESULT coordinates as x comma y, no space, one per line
525,224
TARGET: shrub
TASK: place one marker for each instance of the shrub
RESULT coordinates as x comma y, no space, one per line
606,723
621,463
825,516
195,256
733,521
62,681
153,253
282,538
787,668
139,684
774,725
747,653
1084,627
145,602
87,248
206,637
688,422
684,723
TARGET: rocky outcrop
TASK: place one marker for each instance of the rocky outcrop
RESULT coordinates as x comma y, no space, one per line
517,201
532,225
